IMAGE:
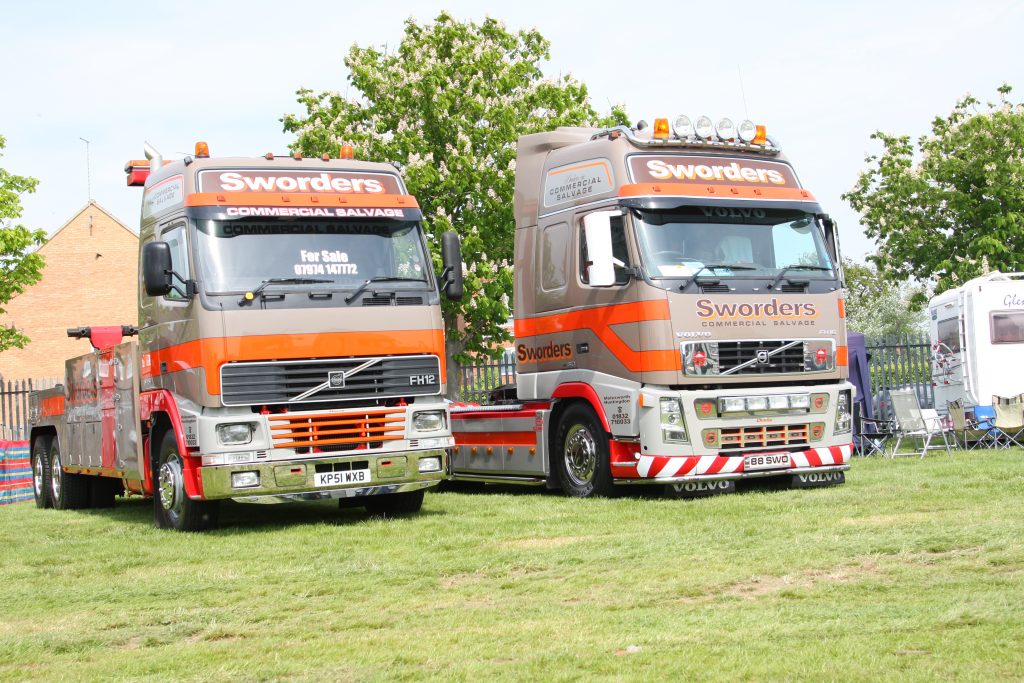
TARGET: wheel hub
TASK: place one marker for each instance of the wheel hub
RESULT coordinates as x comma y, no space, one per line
38,475
171,485
56,474
580,454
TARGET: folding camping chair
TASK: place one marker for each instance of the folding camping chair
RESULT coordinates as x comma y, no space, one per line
974,433
912,423
1008,424
871,434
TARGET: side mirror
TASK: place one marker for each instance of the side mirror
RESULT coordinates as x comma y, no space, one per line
451,260
156,268
597,231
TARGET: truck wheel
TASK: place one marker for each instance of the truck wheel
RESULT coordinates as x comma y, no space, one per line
582,454
67,491
395,504
41,473
173,509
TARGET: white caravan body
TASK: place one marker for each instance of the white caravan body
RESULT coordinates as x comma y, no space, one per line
977,336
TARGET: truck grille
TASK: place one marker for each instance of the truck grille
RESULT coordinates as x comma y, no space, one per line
337,431
265,383
731,354
765,436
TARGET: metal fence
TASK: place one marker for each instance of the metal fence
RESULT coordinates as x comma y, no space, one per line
14,405
901,362
477,381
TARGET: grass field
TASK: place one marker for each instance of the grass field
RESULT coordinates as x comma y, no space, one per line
914,570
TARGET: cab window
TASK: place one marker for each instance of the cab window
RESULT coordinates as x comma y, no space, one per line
175,238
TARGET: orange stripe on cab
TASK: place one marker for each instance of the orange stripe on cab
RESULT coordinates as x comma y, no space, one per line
715,191
210,354
405,201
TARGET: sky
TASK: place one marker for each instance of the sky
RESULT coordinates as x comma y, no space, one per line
822,76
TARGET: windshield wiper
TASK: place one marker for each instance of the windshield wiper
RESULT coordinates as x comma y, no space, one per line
250,296
795,266
712,266
380,278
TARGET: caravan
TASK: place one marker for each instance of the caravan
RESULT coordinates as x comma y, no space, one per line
977,335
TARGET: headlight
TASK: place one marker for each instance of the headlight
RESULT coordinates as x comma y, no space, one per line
800,401
673,428
747,131
235,434
245,480
430,464
682,127
428,420
734,404
726,130
757,403
843,418
704,127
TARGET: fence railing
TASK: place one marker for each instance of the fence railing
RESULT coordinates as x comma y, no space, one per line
14,405
477,381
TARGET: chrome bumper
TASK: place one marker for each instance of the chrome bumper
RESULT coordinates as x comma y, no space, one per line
277,486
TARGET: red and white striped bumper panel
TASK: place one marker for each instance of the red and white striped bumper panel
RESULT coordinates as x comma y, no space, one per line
663,467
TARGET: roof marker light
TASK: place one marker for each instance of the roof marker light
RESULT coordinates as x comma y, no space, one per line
726,130
346,152
660,129
202,150
704,127
682,127
761,137
297,156
747,131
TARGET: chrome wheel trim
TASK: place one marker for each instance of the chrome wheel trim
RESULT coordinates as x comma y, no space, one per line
580,455
172,486
56,474
38,476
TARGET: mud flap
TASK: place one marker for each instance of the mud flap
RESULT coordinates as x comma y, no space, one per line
810,480
701,489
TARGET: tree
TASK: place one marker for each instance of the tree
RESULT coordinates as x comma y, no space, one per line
19,268
878,307
955,205
449,104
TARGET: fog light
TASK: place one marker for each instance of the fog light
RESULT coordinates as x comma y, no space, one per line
800,401
757,403
733,405
235,434
430,465
245,480
428,420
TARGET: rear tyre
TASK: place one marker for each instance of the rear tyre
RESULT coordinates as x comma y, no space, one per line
173,509
103,490
395,504
41,472
582,454
67,491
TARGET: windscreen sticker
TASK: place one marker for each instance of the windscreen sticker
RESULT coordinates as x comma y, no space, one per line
325,262
711,171
305,181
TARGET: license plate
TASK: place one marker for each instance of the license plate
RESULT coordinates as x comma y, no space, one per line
766,461
342,478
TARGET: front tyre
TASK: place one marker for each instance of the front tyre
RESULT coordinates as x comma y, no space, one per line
172,507
41,472
582,454
395,504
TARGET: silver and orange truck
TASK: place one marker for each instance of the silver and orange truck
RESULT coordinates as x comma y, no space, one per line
678,316
289,346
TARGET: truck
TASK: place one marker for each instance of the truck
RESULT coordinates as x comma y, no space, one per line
678,318
977,332
289,346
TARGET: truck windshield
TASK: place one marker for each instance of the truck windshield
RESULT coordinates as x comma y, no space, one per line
236,256
681,242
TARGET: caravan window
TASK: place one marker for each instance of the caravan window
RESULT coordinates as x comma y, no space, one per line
1007,327
949,335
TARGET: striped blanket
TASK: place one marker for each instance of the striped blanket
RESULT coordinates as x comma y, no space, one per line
15,472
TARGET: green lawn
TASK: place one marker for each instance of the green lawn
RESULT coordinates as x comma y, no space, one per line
914,570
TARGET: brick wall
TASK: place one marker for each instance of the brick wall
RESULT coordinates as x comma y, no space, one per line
90,278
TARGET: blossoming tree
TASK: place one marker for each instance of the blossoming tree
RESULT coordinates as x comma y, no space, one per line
19,266
956,207
448,105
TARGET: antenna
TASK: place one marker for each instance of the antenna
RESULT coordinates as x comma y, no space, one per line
88,170
743,92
